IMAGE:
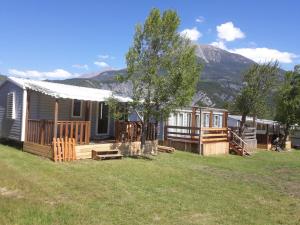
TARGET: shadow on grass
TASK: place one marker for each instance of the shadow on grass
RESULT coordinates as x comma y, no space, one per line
143,157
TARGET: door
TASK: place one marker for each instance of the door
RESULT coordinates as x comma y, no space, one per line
102,118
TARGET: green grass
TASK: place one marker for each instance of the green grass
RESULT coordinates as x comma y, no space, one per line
180,188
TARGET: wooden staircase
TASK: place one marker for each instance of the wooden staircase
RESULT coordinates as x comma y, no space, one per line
237,144
106,154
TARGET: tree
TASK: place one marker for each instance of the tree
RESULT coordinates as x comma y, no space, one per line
288,101
258,81
162,67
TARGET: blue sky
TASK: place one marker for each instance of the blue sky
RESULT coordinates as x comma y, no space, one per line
64,39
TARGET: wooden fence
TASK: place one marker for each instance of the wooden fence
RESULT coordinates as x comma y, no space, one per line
39,131
79,130
129,131
64,149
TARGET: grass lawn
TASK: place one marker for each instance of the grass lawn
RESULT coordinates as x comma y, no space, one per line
180,188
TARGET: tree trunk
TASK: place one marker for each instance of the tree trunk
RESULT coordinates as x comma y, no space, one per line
156,130
144,135
286,134
254,121
242,124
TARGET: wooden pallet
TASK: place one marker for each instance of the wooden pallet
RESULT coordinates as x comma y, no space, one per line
166,149
106,154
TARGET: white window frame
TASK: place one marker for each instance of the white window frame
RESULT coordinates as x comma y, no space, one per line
218,122
206,119
81,106
11,110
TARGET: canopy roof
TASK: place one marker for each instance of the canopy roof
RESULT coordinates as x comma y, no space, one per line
248,118
67,91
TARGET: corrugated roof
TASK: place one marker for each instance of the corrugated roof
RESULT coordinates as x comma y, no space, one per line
67,91
248,118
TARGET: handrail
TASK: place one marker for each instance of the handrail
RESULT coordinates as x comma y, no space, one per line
238,137
183,127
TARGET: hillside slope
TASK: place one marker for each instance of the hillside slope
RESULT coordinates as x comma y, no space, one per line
221,77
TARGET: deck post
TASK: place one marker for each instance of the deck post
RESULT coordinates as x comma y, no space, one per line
211,119
27,115
193,122
55,118
225,117
267,135
200,134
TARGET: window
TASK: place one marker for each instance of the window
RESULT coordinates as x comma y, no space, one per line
217,120
180,119
76,108
197,121
189,120
206,120
11,106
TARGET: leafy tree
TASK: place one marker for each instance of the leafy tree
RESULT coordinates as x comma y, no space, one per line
288,101
162,67
258,81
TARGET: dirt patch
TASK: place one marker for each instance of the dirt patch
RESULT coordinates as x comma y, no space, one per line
199,218
10,193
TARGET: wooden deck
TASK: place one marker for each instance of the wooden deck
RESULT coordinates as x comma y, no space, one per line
40,139
126,148
205,141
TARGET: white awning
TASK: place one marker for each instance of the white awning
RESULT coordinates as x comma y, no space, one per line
57,90
249,118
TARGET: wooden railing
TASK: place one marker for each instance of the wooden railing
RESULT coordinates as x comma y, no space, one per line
236,139
79,130
129,131
39,131
195,134
211,134
181,133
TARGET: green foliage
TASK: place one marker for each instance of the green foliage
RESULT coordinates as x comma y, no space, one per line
162,66
117,110
288,99
258,82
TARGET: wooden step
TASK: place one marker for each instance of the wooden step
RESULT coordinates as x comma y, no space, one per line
109,156
96,153
107,152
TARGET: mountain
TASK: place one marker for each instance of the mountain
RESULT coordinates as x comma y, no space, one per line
221,77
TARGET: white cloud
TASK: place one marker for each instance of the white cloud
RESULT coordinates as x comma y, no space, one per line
192,34
260,55
200,19
265,54
219,44
228,32
38,75
81,66
106,57
101,64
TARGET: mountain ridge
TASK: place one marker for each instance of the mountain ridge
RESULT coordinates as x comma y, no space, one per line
220,79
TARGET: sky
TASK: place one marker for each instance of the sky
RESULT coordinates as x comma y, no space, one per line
65,39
